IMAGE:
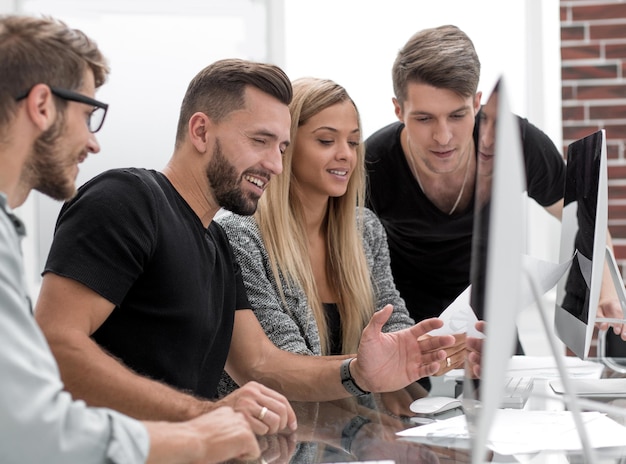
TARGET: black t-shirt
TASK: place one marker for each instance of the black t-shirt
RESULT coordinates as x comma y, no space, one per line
129,236
431,250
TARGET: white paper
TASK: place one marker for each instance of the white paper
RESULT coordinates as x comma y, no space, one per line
522,432
546,273
544,367
459,317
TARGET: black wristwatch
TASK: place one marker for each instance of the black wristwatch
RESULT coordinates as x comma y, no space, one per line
348,382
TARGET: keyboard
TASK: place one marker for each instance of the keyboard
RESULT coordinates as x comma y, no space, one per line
516,392
594,388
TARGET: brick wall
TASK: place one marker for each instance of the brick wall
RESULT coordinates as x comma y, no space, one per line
593,66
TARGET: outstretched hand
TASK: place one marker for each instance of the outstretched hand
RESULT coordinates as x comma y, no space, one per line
390,361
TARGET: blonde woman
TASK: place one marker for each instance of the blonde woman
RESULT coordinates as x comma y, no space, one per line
314,261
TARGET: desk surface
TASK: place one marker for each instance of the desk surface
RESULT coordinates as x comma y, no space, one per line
369,434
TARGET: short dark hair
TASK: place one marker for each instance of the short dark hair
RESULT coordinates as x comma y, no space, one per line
219,89
442,57
43,50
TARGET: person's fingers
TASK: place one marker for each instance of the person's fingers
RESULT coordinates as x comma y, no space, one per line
280,406
379,318
425,326
428,344
266,410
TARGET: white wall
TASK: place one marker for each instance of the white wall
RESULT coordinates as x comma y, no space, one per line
355,42
156,46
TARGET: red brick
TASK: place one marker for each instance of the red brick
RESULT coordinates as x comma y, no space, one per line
601,10
607,31
572,33
615,51
578,132
567,92
563,12
573,72
573,113
607,112
617,211
598,92
580,52
617,231
612,150
615,131
617,191
616,171
619,251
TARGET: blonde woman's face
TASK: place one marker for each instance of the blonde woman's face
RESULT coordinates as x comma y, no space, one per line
325,152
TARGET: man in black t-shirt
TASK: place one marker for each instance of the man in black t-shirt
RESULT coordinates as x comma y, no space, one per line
142,300
422,171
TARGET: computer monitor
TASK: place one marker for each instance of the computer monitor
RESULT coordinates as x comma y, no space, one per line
497,264
583,241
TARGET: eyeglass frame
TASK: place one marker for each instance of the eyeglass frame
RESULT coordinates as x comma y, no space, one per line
70,95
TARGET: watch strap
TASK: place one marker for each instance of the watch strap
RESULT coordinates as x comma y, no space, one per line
348,382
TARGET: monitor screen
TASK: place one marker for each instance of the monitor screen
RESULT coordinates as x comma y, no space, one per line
583,241
496,269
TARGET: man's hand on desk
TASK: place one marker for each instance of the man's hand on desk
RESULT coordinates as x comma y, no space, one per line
390,361
266,410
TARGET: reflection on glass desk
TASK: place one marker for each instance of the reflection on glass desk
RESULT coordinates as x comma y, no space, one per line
366,431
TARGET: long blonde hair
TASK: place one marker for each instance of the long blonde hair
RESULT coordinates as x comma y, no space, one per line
281,221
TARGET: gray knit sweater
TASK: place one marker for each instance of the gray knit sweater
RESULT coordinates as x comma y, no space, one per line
293,327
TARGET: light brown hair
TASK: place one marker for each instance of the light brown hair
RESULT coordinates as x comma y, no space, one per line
43,50
442,57
281,222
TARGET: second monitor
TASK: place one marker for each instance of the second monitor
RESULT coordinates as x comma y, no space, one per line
583,240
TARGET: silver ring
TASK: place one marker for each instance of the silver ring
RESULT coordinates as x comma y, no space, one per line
261,415
448,362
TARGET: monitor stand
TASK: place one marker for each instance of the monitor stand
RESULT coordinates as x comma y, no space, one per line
569,389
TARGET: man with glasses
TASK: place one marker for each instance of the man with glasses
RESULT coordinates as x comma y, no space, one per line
95,120
45,132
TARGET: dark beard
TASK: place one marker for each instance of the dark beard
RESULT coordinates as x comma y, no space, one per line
44,170
226,185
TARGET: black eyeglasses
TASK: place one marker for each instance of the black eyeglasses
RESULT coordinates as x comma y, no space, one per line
97,115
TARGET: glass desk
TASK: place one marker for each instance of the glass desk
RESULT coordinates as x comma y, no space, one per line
356,431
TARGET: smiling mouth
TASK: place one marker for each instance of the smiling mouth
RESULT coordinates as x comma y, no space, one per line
338,172
260,183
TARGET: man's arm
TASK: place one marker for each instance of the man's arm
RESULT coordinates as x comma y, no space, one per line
69,312
609,305
384,361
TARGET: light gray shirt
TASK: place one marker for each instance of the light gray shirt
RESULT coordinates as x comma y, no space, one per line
39,421
292,327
